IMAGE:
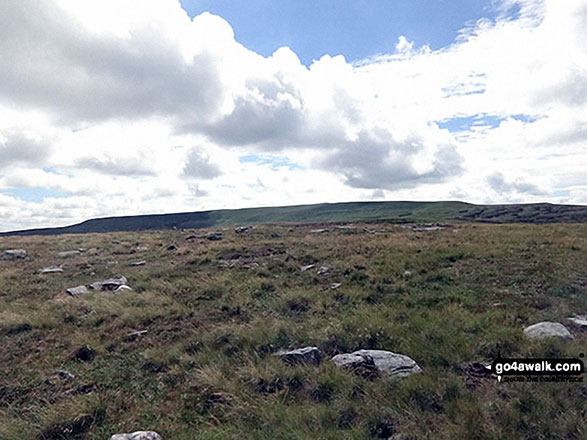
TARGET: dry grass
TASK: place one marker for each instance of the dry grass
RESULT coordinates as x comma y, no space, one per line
214,311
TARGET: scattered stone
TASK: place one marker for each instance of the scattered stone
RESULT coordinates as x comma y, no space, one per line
213,236
407,274
123,288
580,320
347,227
318,231
305,268
323,270
64,374
137,333
51,269
109,284
172,247
306,355
139,435
82,250
142,248
242,229
76,291
386,362
137,263
67,254
13,254
335,285
84,354
275,235
547,329
427,228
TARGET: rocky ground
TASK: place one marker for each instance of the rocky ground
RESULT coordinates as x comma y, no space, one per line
348,331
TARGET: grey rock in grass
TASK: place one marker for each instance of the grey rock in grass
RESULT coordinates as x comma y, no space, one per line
67,254
305,268
579,320
242,229
123,288
76,291
306,355
138,435
318,231
323,270
547,329
110,284
386,362
137,263
14,254
51,269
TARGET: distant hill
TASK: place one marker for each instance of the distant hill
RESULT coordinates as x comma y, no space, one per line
394,212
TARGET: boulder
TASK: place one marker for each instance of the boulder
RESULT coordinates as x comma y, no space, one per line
13,254
76,291
547,329
579,320
67,254
51,269
385,362
138,435
109,284
306,355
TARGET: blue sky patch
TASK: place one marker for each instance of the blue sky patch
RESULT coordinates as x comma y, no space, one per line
33,194
274,162
478,121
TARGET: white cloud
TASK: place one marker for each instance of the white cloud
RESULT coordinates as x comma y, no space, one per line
127,109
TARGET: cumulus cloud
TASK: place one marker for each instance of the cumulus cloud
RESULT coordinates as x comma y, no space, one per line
107,94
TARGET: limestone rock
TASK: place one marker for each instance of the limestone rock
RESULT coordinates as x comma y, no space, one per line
76,291
109,284
579,320
51,269
123,288
306,355
67,254
386,362
137,263
547,329
138,435
14,254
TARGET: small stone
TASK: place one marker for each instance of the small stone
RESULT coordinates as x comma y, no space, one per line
67,254
51,269
137,263
13,254
242,229
579,320
306,355
318,231
76,291
547,329
323,270
85,354
335,285
305,268
109,284
65,375
407,274
142,248
123,288
139,435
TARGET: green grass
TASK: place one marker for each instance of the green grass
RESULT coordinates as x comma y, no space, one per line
215,311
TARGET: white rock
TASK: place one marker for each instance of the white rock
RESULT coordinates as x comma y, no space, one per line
386,362
138,435
580,320
123,288
547,329
51,269
14,254
76,291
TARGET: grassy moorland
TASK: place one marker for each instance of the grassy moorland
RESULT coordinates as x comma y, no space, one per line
214,311
393,212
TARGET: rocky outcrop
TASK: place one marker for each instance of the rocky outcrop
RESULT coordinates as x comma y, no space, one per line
546,329
383,362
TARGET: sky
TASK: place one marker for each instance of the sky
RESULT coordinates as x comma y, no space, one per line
121,107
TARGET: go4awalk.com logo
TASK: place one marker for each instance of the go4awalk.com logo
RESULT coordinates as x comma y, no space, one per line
538,370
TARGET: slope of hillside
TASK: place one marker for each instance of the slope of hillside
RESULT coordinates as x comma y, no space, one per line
395,212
